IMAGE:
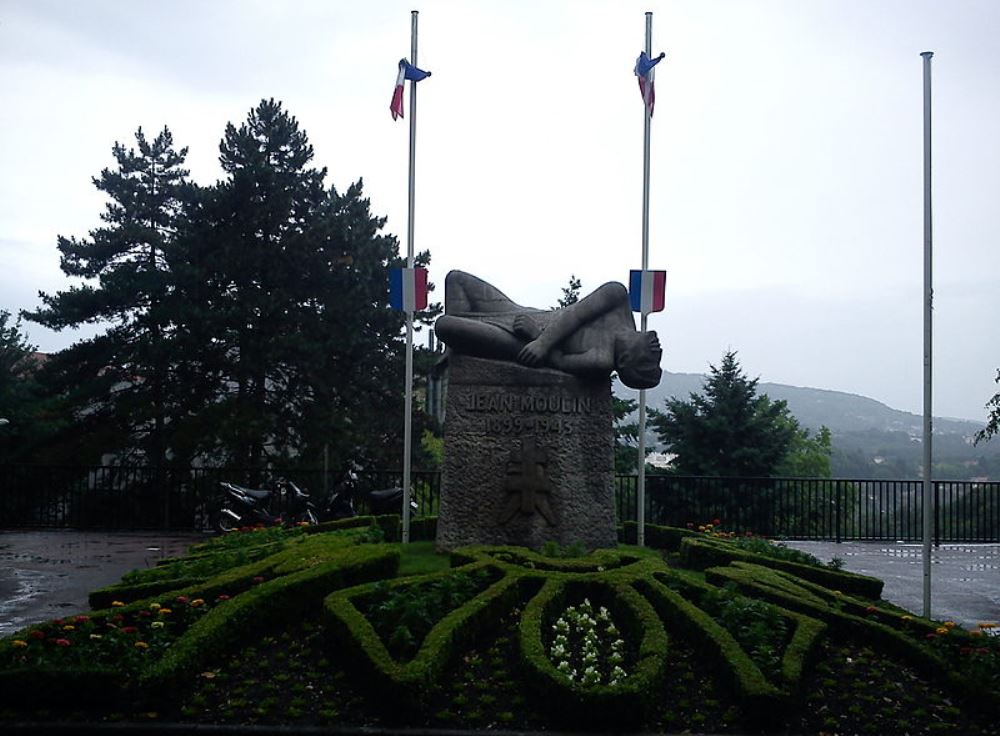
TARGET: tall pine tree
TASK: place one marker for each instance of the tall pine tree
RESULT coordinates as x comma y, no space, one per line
290,302
120,382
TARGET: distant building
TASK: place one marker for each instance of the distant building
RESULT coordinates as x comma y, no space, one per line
660,459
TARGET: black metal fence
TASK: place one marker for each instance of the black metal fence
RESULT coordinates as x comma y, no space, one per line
142,497
814,508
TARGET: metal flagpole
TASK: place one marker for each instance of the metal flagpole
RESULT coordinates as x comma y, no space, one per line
641,491
408,418
928,499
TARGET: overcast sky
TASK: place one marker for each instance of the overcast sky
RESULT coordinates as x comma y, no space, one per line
786,199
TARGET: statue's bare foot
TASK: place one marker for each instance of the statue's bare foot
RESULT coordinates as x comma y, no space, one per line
526,328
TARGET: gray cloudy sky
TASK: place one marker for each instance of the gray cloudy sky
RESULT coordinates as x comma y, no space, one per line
786,169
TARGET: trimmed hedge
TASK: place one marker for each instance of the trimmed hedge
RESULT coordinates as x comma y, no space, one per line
600,560
759,699
104,597
807,632
304,583
842,614
667,538
310,567
357,639
605,706
706,552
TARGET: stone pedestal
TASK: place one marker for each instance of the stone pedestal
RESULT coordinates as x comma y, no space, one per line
528,457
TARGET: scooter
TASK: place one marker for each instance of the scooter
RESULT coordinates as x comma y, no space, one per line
242,507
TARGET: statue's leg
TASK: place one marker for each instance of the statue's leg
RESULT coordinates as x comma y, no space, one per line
465,293
480,339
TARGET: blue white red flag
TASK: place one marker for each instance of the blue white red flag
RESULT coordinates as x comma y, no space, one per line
644,71
406,72
647,291
408,289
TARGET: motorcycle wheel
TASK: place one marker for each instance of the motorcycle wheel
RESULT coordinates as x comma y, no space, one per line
226,524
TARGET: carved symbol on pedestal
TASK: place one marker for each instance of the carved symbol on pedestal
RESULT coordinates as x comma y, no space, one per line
527,485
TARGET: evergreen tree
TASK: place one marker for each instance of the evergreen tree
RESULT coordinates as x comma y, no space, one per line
25,419
626,434
122,379
288,293
993,420
728,430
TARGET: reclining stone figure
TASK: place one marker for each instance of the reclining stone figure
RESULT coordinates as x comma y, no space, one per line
590,338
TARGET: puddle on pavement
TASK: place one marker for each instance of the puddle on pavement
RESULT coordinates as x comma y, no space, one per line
24,585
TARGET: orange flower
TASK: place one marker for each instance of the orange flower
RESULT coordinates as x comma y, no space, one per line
19,643
141,645
117,604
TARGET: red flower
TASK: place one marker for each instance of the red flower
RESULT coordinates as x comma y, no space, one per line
57,621
931,636
871,609
82,619
36,634
259,579
62,642
145,614
182,599
117,617
222,597
690,525
129,629
716,522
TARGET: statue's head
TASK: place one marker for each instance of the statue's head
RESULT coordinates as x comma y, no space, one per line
637,359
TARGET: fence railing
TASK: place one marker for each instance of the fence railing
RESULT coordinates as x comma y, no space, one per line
819,508
144,497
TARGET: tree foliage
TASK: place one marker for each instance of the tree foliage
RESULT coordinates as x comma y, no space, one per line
248,321
728,430
24,411
127,285
571,292
993,418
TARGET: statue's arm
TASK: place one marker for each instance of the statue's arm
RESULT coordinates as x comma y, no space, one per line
589,361
569,319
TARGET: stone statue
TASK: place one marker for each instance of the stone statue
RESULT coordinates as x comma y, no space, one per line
590,338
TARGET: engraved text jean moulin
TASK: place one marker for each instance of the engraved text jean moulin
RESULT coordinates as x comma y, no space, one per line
507,413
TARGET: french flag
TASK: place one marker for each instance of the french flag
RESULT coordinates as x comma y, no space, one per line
408,289
644,71
647,291
406,72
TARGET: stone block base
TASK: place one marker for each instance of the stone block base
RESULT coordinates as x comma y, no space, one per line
528,459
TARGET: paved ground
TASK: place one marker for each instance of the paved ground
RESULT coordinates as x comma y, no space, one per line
965,578
46,574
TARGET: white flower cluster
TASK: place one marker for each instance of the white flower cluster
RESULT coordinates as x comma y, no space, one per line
581,633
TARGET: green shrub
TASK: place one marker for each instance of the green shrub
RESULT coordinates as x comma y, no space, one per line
705,552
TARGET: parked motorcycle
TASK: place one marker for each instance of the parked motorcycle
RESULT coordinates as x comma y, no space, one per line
243,507
340,504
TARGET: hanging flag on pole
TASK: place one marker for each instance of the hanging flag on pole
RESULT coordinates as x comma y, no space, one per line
408,289
406,72
647,291
644,71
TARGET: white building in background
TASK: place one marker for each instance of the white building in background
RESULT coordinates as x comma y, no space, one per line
660,459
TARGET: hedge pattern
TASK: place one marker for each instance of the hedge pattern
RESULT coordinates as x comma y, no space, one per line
261,579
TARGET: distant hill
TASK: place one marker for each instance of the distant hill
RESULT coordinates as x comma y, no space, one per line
870,439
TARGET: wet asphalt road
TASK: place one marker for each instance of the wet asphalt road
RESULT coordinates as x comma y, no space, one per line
965,578
47,574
